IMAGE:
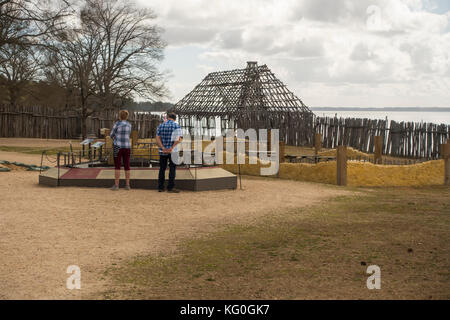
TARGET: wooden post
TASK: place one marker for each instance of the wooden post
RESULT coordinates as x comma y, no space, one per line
341,160
317,143
447,164
378,148
134,136
107,133
281,152
442,149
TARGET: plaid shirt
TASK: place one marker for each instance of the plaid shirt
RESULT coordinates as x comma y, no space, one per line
169,132
121,134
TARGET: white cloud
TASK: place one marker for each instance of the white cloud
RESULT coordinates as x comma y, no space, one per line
188,35
374,51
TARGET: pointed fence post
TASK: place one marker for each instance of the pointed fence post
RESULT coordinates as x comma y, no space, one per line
134,137
269,140
378,149
447,164
281,152
107,133
341,162
317,143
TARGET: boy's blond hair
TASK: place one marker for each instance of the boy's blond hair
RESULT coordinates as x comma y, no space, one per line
123,115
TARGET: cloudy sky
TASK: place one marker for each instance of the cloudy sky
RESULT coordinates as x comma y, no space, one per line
361,53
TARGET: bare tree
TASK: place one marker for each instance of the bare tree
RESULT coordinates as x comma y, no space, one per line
131,47
25,25
18,67
72,64
60,73
108,57
31,22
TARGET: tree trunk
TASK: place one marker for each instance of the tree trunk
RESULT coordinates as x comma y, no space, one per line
83,119
83,114
84,127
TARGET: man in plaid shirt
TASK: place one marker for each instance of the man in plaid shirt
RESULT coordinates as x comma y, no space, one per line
168,135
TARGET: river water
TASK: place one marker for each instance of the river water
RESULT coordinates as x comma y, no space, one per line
433,117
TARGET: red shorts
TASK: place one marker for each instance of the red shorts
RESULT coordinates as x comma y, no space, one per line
125,155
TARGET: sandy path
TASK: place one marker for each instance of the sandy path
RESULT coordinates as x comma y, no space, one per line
44,230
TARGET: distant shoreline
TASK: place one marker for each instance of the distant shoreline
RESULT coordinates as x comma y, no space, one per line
385,109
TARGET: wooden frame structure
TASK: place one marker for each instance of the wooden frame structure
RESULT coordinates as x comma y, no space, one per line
245,98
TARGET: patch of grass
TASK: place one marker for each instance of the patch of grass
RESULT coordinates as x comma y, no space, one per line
36,150
321,252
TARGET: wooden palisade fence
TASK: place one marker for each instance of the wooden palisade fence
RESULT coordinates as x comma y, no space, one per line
46,123
404,139
401,139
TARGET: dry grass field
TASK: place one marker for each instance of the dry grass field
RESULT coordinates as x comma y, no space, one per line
319,252
276,239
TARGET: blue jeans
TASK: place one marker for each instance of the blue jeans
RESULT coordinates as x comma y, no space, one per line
163,159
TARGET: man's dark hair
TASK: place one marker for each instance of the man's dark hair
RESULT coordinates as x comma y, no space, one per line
172,116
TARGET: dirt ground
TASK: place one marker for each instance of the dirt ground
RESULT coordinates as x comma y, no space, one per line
44,230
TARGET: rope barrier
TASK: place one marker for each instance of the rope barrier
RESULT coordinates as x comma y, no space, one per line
51,161
31,167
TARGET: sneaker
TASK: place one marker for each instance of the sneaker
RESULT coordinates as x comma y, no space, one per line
161,190
173,190
114,188
127,188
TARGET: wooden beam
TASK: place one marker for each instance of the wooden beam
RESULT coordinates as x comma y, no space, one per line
447,164
281,152
317,143
134,137
341,163
442,150
107,132
378,149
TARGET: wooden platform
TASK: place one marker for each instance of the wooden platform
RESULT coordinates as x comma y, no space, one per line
200,179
